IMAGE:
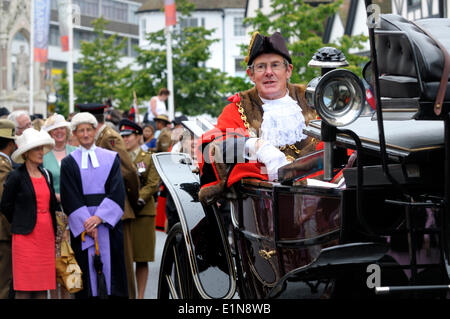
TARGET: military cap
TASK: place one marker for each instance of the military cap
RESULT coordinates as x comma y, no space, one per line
260,44
4,111
93,108
127,127
7,129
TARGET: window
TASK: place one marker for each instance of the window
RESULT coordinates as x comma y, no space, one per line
188,22
117,42
260,4
81,35
53,38
132,16
239,29
143,28
133,43
114,10
238,65
87,7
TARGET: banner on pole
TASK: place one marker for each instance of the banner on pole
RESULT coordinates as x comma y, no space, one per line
41,30
63,18
171,12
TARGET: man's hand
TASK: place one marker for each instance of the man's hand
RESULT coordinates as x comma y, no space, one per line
91,224
93,233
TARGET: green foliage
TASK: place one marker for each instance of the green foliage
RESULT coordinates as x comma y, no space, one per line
99,77
303,26
62,104
196,86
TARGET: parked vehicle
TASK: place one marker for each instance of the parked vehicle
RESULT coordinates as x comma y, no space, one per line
383,231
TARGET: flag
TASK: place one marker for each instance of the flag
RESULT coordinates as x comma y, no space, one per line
132,114
41,30
171,12
63,17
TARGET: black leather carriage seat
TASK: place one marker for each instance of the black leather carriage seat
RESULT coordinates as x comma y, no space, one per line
396,65
401,140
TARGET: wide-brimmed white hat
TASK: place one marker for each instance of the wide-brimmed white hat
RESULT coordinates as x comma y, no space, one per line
83,118
55,121
30,139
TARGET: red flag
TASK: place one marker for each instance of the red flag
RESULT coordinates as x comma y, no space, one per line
64,25
132,114
171,12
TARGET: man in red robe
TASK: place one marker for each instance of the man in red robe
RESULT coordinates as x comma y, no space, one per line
262,128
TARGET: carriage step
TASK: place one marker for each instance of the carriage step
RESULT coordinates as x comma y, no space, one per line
399,289
414,204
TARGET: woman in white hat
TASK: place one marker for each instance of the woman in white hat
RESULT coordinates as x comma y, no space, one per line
29,204
59,129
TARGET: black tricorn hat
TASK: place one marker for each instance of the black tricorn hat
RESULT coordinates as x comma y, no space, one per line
178,119
263,44
93,108
127,127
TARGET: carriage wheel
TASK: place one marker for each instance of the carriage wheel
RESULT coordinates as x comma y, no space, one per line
175,276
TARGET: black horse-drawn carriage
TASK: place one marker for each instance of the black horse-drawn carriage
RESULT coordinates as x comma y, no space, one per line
382,231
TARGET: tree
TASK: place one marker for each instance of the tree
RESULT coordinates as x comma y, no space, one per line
99,76
303,26
198,88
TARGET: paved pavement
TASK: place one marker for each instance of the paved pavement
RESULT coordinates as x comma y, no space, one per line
151,291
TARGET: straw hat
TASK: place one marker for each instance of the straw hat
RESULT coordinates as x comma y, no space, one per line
30,139
55,121
162,117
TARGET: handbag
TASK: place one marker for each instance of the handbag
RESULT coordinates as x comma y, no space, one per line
68,272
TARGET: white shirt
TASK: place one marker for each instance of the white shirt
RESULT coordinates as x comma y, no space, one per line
160,108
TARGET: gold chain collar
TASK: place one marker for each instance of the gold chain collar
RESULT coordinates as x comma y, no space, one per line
253,134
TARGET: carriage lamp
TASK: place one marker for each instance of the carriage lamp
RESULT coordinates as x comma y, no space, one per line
337,96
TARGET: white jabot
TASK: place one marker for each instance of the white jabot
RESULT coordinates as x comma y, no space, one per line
283,121
85,153
282,124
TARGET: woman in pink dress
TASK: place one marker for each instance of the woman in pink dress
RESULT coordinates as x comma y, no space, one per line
29,204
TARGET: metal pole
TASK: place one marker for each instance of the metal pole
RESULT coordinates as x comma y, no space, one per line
70,61
170,72
31,104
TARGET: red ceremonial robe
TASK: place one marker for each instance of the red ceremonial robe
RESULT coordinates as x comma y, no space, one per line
214,175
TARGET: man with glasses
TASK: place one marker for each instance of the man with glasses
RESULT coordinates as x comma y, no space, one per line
21,119
262,128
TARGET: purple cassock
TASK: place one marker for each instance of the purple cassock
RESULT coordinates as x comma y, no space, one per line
96,191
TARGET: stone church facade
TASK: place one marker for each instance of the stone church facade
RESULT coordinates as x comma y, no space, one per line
15,51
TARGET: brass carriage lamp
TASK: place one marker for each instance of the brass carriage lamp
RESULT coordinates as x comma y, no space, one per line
338,96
